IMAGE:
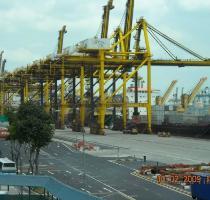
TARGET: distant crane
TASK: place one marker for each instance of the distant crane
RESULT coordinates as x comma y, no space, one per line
188,99
161,100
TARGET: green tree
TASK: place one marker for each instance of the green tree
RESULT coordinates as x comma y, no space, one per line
32,127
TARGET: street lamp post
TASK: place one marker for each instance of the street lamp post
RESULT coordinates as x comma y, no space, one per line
83,153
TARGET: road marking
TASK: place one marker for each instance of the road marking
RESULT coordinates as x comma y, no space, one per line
107,189
70,149
119,192
64,143
116,163
108,186
178,190
68,172
50,172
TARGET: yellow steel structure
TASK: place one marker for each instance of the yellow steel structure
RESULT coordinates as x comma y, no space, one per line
62,95
26,91
102,105
46,91
121,62
149,81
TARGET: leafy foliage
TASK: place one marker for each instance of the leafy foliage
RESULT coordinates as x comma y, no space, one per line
32,127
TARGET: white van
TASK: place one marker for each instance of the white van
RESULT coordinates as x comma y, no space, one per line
7,166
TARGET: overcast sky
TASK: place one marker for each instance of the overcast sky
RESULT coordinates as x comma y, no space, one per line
29,29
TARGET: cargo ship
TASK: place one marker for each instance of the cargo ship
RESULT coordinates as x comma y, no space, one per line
187,116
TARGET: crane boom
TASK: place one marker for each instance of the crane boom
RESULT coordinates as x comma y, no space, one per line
196,89
161,100
128,23
105,19
168,92
187,99
60,39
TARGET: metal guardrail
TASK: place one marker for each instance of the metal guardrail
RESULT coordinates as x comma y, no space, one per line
55,187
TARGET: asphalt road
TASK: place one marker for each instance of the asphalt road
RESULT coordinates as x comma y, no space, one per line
96,175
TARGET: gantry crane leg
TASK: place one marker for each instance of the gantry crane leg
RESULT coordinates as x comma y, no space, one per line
102,107
62,112
26,91
46,96
136,94
41,93
149,106
124,106
74,96
149,87
56,102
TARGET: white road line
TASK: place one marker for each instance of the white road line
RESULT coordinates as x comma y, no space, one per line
114,162
63,142
50,172
119,192
68,172
68,147
107,189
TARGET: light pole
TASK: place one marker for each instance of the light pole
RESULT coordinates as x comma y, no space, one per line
83,153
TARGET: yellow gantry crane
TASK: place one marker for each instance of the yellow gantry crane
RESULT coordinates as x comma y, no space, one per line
186,99
162,100
108,69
